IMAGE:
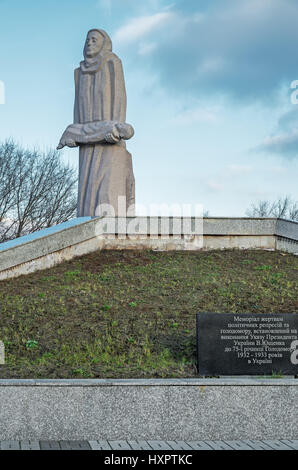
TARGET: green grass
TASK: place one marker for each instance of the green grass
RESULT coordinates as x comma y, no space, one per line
132,314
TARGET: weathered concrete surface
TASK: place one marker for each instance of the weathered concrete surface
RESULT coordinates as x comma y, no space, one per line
287,229
149,409
49,247
286,244
46,244
239,226
52,259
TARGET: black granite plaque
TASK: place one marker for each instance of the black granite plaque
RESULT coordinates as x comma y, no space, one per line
247,344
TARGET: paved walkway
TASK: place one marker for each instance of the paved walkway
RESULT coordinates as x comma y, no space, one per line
150,445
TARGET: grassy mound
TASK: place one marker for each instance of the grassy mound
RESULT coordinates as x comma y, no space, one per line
131,314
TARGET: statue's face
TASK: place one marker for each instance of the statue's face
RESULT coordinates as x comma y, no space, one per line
94,43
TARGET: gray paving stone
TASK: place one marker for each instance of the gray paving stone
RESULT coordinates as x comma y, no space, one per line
238,445
218,445
247,444
99,445
119,445
30,445
75,445
257,445
159,445
139,445
199,445
10,445
277,445
293,444
179,445
49,445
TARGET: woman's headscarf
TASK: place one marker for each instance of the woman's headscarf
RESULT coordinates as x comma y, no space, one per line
92,64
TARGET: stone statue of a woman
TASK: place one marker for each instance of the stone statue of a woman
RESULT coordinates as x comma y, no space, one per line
105,166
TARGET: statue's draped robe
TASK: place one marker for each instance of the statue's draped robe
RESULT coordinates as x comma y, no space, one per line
105,170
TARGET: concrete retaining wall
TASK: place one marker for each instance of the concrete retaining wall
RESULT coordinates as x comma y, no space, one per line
51,246
149,409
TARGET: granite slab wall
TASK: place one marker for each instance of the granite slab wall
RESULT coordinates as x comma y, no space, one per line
171,409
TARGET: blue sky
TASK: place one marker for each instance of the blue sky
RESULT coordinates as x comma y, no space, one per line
208,86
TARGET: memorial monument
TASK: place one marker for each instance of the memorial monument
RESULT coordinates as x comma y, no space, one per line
100,130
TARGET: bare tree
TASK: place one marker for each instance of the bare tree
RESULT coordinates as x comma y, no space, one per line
282,208
293,212
37,190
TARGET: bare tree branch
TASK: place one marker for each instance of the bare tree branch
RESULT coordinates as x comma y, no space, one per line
282,208
37,190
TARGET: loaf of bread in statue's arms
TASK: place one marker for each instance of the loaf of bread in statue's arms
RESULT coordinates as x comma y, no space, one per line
96,132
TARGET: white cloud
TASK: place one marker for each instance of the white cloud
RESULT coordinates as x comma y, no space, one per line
140,26
239,169
106,5
211,65
199,114
146,48
283,144
242,49
198,17
214,185
278,170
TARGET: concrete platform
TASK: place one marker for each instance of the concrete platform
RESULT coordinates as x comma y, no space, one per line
77,237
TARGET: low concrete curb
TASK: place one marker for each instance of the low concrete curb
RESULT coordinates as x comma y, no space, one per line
170,409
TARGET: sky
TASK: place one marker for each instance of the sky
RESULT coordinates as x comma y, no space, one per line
208,86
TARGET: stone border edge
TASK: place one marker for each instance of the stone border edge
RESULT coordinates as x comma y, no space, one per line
200,382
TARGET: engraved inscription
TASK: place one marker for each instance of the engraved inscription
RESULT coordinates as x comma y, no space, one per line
258,340
247,344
